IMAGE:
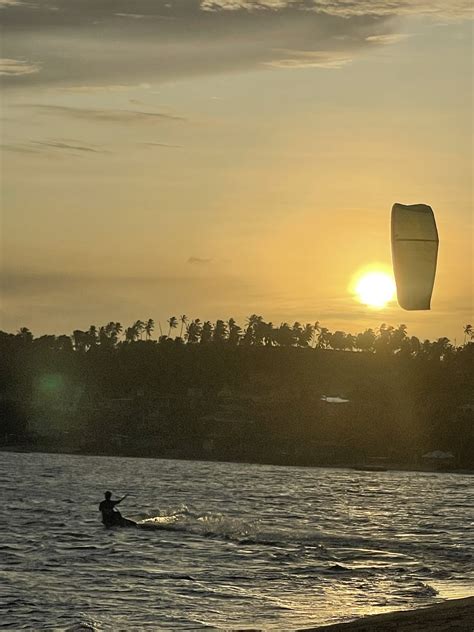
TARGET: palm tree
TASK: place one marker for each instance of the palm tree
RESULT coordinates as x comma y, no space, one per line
317,330
235,331
285,335
365,341
383,343
305,335
149,327
81,340
220,331
350,342
415,345
398,338
25,334
173,323
268,333
252,332
260,331
93,335
108,334
130,334
115,333
183,320
441,348
297,331
193,331
64,343
139,328
324,338
104,338
468,331
206,332
338,340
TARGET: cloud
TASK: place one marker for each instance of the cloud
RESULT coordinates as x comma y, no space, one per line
310,59
153,144
133,16
107,88
17,67
186,38
43,146
245,5
68,146
19,148
116,116
198,261
348,8
436,8
392,38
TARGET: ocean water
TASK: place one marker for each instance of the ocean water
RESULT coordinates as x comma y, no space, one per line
230,546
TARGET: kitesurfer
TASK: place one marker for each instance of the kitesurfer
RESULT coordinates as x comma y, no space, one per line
110,515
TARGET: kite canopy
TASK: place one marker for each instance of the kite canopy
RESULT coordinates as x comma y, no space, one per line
414,254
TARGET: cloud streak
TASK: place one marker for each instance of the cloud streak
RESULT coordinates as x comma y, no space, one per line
184,38
17,67
153,144
104,115
52,147
62,145
310,59
199,261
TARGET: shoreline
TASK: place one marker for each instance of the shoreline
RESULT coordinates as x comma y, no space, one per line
453,615
390,467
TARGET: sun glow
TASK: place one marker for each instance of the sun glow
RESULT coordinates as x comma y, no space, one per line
375,289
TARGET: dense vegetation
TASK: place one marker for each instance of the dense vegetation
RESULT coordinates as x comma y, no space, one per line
257,393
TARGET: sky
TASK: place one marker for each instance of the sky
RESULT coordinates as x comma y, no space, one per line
219,159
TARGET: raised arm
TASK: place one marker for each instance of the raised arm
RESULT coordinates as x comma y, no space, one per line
120,499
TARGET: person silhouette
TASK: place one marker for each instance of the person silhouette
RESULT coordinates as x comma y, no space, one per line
110,515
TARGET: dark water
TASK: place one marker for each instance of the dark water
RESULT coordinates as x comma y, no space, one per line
244,545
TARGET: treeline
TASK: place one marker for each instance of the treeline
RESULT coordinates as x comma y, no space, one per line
256,332
256,392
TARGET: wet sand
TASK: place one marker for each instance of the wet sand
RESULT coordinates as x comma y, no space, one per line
456,615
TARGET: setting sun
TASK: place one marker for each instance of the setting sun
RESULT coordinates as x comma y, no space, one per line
375,289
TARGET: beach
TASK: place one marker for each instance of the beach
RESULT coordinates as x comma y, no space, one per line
455,615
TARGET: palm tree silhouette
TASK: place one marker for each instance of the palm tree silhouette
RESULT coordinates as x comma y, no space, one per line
193,331
220,331
468,331
130,334
80,339
149,327
365,341
173,323
93,335
25,334
206,332
324,338
235,331
139,328
183,319
305,336
338,340
285,335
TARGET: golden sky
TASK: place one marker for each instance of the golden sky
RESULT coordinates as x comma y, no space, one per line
225,158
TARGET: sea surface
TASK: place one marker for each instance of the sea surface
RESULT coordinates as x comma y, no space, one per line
230,546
